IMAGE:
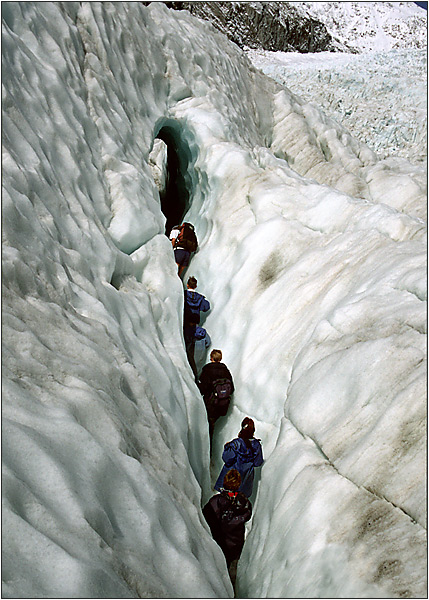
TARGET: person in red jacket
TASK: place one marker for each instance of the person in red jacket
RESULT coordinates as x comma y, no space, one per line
184,242
226,513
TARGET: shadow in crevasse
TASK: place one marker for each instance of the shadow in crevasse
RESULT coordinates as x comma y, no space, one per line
173,164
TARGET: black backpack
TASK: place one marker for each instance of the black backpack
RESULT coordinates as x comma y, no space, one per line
221,394
187,238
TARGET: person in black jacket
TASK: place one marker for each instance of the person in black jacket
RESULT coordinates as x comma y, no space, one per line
211,373
226,513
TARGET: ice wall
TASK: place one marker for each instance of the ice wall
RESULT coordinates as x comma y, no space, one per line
317,281
105,444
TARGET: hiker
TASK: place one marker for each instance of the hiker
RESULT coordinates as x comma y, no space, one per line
195,302
194,334
184,242
200,348
216,386
243,453
226,514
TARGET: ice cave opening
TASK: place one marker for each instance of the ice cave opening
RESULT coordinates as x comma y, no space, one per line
170,160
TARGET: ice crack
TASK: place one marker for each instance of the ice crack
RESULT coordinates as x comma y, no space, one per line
359,486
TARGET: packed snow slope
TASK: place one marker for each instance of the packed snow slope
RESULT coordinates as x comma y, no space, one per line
312,253
372,26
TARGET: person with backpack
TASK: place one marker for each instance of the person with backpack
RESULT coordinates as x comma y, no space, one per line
184,242
195,303
194,335
216,386
200,348
244,453
226,513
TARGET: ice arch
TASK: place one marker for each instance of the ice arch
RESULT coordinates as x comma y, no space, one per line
176,195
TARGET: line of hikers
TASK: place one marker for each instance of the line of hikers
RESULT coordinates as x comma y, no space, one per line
227,512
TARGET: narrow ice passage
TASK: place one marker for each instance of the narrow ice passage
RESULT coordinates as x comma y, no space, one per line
312,254
274,432
172,205
175,197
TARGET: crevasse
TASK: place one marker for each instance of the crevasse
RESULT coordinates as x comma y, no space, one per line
311,249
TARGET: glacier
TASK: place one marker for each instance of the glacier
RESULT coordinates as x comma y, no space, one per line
313,256
380,97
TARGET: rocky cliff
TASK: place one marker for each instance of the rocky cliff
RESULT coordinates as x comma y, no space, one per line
268,25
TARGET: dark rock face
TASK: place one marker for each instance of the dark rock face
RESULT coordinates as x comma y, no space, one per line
268,25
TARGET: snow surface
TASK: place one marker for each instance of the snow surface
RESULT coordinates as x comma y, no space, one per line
313,256
372,26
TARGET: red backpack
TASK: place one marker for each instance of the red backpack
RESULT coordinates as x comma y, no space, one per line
187,238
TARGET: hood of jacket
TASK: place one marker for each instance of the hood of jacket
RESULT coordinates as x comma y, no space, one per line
194,332
246,454
200,333
193,299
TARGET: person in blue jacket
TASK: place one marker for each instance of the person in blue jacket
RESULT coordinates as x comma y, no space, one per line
244,453
195,336
200,347
195,303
